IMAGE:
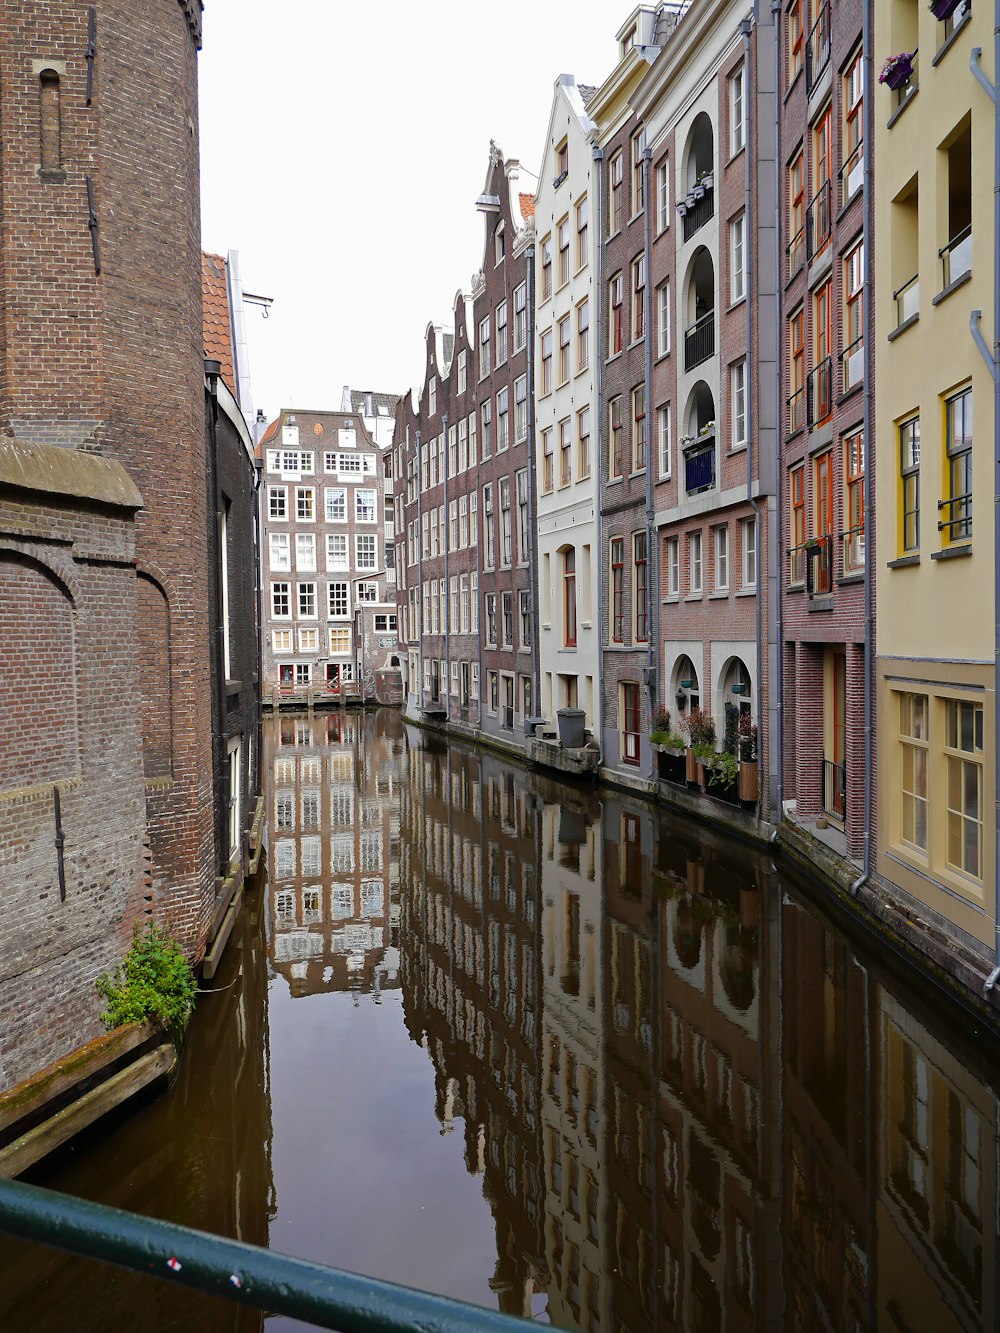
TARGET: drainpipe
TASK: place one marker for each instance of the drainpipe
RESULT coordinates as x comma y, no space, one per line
598,155
779,478
447,585
749,232
652,549
213,369
993,361
867,235
529,370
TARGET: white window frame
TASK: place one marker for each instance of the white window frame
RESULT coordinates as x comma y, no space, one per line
738,259
738,404
664,440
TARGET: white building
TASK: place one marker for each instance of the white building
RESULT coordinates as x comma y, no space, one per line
567,466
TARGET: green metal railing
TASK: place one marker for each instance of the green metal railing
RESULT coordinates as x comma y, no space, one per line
277,1283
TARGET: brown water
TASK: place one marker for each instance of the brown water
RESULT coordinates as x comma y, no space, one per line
511,1041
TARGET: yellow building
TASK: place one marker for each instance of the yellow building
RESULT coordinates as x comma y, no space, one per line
934,234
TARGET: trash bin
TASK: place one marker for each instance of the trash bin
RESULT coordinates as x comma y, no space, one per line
572,732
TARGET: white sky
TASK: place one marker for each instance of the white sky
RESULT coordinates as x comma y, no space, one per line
343,146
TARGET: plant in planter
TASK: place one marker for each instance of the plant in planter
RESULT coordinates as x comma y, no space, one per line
700,727
943,9
724,770
896,69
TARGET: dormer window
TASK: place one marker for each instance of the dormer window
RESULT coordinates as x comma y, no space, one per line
628,41
498,244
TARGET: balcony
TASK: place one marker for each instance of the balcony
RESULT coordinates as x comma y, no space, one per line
699,464
852,175
907,300
797,411
834,794
818,47
818,220
699,206
819,392
956,259
852,365
699,341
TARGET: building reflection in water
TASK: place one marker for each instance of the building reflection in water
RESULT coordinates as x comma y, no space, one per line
691,1105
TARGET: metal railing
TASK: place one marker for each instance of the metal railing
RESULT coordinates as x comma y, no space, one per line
819,398
818,46
797,410
699,341
959,526
244,1274
819,220
699,213
852,174
852,364
812,562
956,258
699,467
907,300
853,542
796,251
835,789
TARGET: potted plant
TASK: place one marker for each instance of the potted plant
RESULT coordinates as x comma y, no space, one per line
701,741
704,758
896,69
943,9
749,784
723,771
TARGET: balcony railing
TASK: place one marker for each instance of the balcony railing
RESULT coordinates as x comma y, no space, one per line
956,258
818,46
796,250
852,364
700,211
699,341
699,466
819,220
907,300
819,398
852,174
797,411
853,544
835,789
959,525
811,562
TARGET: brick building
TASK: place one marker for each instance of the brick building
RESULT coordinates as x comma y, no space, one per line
328,557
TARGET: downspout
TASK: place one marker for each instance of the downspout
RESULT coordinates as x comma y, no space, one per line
447,585
529,370
652,550
598,156
213,369
993,92
749,391
420,579
869,312
779,471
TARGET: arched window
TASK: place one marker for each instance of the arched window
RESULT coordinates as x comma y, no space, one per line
569,597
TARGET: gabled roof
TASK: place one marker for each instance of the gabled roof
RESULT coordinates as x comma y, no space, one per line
215,317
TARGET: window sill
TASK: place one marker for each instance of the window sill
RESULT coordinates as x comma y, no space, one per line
661,356
848,204
821,604
722,595
750,591
636,342
737,153
850,393
949,42
847,580
796,78
793,435
952,287
795,587
613,357
672,599
614,481
952,552
636,472
735,305
693,597
736,449
902,106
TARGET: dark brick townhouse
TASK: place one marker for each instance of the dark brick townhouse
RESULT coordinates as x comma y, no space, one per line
824,455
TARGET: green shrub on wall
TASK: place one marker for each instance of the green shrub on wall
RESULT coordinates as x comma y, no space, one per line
153,980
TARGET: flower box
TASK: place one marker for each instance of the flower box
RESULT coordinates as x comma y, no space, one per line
749,786
897,69
943,9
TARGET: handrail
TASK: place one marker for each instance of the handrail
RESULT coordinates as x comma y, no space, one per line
796,410
957,254
795,250
246,1274
819,222
818,46
852,164
848,379
963,519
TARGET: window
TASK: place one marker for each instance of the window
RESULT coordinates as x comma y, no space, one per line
507,619
385,623
463,619
663,319
797,374
796,213
366,547
582,228
562,261
852,173
305,504
565,451
639,428
615,298
281,557
562,161
630,722
303,673
305,552
738,400
484,347
453,606
307,600
281,601
795,39
618,589
335,505
640,562
491,618
638,298
505,523
964,751
582,335
474,604
694,563
338,602
520,409
520,316
501,320
909,472
308,640
523,530
956,520
664,442
638,175
737,116
854,502
489,550
463,445
615,200
672,562
564,341
524,600
583,442
569,598
281,640
913,737
432,392
737,259
821,209
663,195
616,442
499,244
853,358
364,505
546,266
748,543
548,469
503,424
453,525
487,415
546,348
822,396
277,502
721,559
462,371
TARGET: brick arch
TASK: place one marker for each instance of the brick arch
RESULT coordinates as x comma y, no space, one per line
155,676
39,741
64,577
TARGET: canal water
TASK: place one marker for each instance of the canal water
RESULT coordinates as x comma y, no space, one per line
551,1051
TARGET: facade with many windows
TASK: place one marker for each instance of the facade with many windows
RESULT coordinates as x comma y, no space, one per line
934,479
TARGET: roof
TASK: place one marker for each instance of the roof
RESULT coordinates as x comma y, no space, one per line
271,431
360,397
527,202
216,329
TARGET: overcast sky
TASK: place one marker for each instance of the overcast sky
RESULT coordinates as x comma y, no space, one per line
343,146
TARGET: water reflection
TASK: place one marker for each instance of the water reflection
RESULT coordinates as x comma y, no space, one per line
558,1053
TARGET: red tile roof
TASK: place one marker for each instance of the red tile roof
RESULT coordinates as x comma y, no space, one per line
271,431
216,331
527,202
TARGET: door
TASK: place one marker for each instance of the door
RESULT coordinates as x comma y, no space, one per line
835,738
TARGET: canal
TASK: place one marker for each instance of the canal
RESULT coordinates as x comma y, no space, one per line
551,1051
